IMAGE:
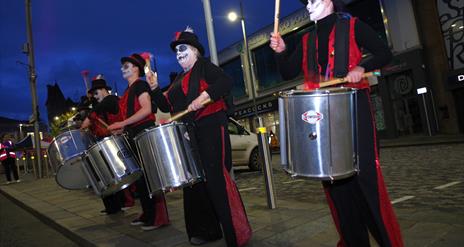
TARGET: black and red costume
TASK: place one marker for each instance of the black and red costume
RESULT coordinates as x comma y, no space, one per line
154,209
331,49
108,111
216,202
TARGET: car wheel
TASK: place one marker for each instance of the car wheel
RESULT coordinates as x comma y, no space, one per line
255,163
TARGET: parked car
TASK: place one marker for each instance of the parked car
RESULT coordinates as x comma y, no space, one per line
244,146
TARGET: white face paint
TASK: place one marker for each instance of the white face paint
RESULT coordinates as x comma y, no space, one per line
186,56
98,95
318,9
127,70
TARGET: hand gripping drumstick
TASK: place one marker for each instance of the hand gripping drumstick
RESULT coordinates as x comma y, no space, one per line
276,16
343,80
184,112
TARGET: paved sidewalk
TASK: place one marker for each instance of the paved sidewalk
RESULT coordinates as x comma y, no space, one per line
435,217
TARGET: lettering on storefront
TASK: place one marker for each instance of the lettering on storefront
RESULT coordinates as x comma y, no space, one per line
260,108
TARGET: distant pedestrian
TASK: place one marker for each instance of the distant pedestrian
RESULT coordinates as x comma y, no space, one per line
7,157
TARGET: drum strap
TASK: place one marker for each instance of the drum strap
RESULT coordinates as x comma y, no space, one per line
312,56
342,45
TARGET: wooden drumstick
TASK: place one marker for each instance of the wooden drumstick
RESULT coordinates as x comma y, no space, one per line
276,16
343,80
102,122
184,112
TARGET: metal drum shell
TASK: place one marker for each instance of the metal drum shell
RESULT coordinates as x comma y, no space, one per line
71,175
68,145
169,157
111,165
320,133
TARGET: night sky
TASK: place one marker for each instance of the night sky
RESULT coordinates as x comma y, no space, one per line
72,36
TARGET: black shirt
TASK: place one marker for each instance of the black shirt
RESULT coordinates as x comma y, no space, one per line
109,104
365,37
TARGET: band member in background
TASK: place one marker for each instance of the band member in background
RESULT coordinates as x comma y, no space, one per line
136,115
333,48
106,110
8,159
211,204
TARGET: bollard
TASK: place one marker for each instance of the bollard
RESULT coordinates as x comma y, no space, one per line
267,166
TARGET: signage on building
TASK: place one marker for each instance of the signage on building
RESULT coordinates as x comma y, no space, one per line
455,79
267,106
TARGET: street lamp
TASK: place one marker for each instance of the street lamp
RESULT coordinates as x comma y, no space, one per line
232,16
262,133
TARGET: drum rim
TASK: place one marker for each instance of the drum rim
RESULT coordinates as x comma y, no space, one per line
318,92
148,130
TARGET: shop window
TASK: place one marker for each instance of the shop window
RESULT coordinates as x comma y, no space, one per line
264,61
234,69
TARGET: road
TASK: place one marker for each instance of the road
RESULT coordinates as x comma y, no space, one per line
428,177
20,228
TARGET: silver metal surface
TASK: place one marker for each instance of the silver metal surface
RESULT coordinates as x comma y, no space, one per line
65,153
169,159
110,165
319,133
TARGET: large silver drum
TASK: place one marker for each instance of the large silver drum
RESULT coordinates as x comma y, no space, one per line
169,158
65,155
111,165
318,132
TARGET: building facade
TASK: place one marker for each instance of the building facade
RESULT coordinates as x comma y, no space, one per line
408,99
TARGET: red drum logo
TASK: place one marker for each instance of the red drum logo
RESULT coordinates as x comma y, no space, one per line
312,117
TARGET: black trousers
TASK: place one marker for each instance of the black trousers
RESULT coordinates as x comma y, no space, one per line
10,166
354,201
206,205
148,204
114,202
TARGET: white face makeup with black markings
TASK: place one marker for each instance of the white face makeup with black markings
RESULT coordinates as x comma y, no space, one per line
316,9
186,56
98,95
127,70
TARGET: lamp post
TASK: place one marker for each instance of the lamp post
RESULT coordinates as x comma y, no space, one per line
210,32
32,78
262,133
232,16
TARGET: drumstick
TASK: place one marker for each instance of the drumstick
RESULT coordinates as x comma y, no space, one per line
343,80
276,16
184,112
102,122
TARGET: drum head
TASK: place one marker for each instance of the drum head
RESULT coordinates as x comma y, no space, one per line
71,175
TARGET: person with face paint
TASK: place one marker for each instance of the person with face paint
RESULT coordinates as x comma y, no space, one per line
106,109
216,202
359,204
136,114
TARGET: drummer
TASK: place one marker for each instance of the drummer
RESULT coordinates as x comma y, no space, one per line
106,109
360,203
136,115
207,205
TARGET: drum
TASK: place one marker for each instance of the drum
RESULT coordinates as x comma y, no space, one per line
318,132
110,165
65,156
169,157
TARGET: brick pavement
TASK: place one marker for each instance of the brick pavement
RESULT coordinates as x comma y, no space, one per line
433,217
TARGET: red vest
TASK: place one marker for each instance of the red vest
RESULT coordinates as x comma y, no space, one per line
123,104
97,127
5,152
210,108
355,56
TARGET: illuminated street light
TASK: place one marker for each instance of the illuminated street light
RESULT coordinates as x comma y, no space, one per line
56,118
73,108
232,16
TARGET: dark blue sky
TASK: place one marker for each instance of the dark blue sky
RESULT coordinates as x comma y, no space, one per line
72,36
